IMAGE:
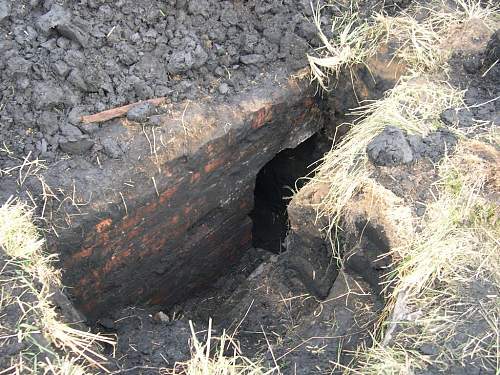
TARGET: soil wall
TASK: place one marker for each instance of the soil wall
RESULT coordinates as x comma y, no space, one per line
172,213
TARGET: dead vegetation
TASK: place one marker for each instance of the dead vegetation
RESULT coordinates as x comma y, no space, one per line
446,281
71,350
413,105
420,35
217,356
445,278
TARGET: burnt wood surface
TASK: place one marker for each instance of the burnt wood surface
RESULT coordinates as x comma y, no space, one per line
171,214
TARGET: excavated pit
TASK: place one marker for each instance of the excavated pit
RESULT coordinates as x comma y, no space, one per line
194,222
183,213
270,277
172,214
184,210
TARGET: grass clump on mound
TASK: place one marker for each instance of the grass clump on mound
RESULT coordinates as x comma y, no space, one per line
447,281
442,309
217,356
29,281
413,105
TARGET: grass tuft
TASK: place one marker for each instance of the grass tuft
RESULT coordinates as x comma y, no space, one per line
419,36
352,43
217,356
20,240
413,105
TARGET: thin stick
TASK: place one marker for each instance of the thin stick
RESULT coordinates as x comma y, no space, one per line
21,179
118,111
124,203
156,188
270,350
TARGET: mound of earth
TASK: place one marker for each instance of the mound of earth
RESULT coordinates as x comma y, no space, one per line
62,59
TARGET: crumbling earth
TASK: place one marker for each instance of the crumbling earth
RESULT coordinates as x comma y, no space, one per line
63,59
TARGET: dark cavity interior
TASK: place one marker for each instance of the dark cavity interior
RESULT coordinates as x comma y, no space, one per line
276,182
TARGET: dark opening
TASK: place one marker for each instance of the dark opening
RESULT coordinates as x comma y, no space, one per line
273,188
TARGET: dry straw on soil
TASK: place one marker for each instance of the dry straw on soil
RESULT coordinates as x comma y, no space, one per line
447,281
217,356
437,275
420,34
72,350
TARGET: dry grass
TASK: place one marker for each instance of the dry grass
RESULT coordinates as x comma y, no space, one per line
419,34
352,44
217,356
20,240
387,360
413,105
447,282
65,366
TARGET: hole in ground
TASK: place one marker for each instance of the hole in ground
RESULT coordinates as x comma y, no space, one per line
258,301
274,186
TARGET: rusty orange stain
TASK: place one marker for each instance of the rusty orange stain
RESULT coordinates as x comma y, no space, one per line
103,225
157,299
87,307
131,221
195,177
152,242
83,253
95,280
145,252
133,233
116,260
263,116
213,165
150,207
159,246
167,194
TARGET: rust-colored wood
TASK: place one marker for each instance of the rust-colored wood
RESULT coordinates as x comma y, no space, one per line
118,111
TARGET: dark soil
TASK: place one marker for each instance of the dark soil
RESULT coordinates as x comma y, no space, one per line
264,307
407,163
479,75
394,147
157,338
408,159
62,59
